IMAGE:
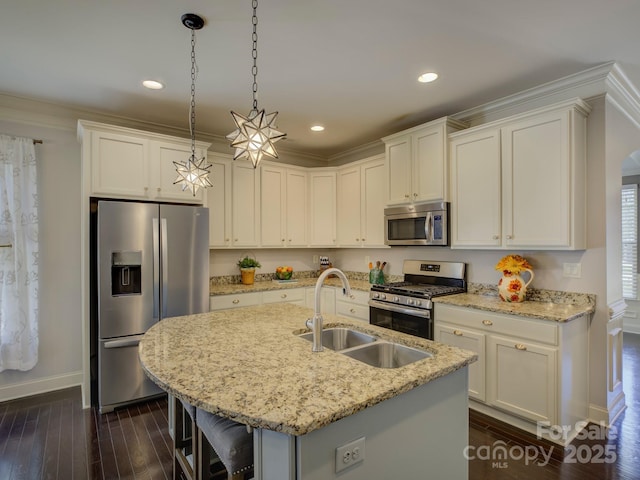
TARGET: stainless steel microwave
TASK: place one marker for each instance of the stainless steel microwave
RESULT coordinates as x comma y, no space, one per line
418,224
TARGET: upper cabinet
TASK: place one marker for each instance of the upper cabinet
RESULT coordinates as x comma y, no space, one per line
322,208
521,182
283,206
133,164
219,201
417,162
362,194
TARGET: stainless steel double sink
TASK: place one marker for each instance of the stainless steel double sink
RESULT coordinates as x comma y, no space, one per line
368,349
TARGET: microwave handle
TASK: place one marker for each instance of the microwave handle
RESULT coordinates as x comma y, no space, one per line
428,227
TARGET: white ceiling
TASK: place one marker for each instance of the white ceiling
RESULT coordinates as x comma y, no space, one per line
348,64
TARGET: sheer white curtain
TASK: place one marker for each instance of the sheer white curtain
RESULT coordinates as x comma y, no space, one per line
18,254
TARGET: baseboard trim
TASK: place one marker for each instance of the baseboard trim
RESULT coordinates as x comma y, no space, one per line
41,385
607,416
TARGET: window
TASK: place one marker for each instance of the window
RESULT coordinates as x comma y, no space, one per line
630,241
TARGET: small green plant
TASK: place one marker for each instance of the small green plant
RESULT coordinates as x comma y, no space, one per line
248,262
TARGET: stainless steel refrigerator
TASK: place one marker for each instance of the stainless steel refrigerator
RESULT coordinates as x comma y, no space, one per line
149,261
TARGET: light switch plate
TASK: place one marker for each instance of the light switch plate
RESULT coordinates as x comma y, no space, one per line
572,270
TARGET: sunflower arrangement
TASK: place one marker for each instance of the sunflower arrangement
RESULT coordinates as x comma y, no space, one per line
513,264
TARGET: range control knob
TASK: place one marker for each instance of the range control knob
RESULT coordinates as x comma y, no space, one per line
383,296
409,301
376,295
396,299
418,303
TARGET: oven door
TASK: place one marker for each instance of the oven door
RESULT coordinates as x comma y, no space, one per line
414,321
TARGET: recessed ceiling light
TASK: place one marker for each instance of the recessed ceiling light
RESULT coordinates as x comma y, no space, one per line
317,128
153,84
427,77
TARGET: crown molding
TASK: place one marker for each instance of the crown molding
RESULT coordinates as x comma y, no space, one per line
623,95
585,84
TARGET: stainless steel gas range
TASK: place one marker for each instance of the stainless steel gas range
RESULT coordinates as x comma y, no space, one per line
406,306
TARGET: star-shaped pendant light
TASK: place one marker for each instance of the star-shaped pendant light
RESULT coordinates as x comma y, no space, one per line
193,173
255,133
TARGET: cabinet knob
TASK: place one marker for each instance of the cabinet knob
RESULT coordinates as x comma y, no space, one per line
357,239
520,346
146,189
352,296
406,196
363,239
226,239
496,237
283,239
487,322
284,295
509,237
290,240
235,239
236,301
457,332
159,189
353,310
415,194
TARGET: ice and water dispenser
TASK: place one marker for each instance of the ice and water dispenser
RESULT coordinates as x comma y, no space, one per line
126,273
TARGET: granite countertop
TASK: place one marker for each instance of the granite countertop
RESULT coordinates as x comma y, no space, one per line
544,310
230,288
247,364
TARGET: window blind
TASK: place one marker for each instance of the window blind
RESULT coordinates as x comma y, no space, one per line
630,241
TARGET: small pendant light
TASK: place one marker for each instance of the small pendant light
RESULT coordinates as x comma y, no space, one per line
193,173
256,133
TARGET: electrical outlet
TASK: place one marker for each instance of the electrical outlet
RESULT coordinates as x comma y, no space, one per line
349,454
572,270
316,260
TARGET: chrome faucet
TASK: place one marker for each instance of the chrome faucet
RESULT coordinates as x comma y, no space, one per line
315,323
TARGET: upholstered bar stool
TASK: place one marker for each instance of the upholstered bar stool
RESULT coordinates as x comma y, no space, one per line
184,440
231,441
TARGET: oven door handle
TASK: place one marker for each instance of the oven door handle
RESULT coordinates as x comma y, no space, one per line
416,312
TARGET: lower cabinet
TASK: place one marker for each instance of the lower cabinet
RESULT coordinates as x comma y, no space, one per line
527,369
355,306
290,295
234,300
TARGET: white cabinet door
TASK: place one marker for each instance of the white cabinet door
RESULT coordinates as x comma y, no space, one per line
349,208
164,154
273,195
219,202
475,203
429,161
536,182
119,165
522,378
468,340
399,164
322,205
296,208
373,200
245,194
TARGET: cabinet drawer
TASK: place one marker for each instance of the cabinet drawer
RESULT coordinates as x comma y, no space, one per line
357,296
512,325
222,302
351,309
289,295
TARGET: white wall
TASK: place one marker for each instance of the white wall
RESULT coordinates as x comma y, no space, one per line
223,262
60,349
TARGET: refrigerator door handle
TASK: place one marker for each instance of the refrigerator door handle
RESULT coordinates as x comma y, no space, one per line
123,342
165,267
156,269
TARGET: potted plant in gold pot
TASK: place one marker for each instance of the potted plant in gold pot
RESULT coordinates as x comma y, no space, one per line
248,267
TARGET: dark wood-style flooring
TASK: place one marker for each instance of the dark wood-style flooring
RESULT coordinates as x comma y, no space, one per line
51,437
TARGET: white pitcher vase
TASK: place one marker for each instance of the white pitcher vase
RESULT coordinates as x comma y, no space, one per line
512,287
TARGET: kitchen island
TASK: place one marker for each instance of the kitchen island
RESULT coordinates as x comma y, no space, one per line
248,364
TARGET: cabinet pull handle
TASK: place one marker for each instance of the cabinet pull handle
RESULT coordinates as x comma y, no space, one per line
520,346
284,295
487,322
457,332
236,301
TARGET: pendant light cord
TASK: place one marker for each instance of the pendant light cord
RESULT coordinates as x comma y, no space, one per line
254,54
192,105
